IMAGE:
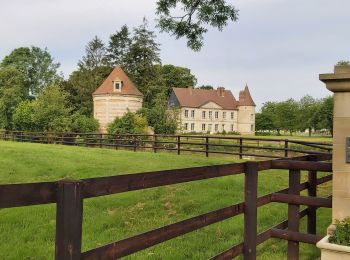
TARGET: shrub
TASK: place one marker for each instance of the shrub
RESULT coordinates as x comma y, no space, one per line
130,123
341,235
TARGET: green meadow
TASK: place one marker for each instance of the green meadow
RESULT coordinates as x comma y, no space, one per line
28,232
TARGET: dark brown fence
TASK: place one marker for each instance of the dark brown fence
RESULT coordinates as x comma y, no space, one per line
209,144
70,194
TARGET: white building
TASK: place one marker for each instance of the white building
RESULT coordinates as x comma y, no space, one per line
116,95
213,111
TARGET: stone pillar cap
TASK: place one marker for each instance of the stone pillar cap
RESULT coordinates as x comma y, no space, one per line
339,81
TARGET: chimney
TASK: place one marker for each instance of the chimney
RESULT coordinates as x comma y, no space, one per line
221,91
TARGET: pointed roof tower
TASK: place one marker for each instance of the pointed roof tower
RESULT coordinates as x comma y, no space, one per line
118,75
245,99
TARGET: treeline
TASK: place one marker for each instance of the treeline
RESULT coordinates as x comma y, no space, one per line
313,115
34,96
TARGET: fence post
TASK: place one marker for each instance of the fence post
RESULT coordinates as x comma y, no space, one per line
250,210
312,191
286,148
154,143
206,146
240,148
101,136
135,144
69,216
293,213
178,144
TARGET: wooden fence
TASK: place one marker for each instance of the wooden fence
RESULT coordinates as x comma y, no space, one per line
208,144
69,196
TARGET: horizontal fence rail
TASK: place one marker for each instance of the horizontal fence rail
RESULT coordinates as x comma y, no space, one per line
203,144
70,194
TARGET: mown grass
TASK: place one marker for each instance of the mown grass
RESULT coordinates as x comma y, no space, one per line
28,232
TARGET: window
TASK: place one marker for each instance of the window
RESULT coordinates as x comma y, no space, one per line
223,115
186,113
232,115
186,126
117,86
210,114
223,127
209,127
231,128
203,127
251,116
216,114
203,114
192,126
252,128
192,113
216,127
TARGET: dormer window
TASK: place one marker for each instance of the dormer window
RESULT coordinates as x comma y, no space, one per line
117,85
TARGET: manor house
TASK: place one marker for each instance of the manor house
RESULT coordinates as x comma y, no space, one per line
203,111
214,111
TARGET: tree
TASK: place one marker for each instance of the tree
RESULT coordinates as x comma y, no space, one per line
268,112
175,76
286,115
263,122
95,55
343,63
80,86
325,114
196,15
159,117
129,123
118,46
51,112
208,87
308,107
37,66
142,56
12,92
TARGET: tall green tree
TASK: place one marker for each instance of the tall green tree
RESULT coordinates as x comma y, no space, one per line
95,55
80,86
175,76
37,66
142,56
118,46
92,71
325,114
308,107
159,117
12,92
196,15
287,115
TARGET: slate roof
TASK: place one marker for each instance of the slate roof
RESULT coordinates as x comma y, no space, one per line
128,87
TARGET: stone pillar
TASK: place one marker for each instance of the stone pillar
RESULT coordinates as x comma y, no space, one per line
339,83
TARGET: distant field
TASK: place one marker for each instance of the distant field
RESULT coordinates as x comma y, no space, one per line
28,232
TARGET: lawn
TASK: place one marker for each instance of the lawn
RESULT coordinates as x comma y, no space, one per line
28,232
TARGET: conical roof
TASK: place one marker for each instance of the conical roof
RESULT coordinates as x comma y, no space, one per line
245,99
128,87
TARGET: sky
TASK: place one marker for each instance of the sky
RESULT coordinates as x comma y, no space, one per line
277,47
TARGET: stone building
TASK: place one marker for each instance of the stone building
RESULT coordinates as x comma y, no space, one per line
214,111
116,95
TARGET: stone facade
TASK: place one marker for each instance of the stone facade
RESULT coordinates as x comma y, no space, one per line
116,96
213,111
339,83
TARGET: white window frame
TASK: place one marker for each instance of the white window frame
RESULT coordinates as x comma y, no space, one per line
186,113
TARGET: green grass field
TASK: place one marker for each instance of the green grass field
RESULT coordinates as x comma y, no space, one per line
28,232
